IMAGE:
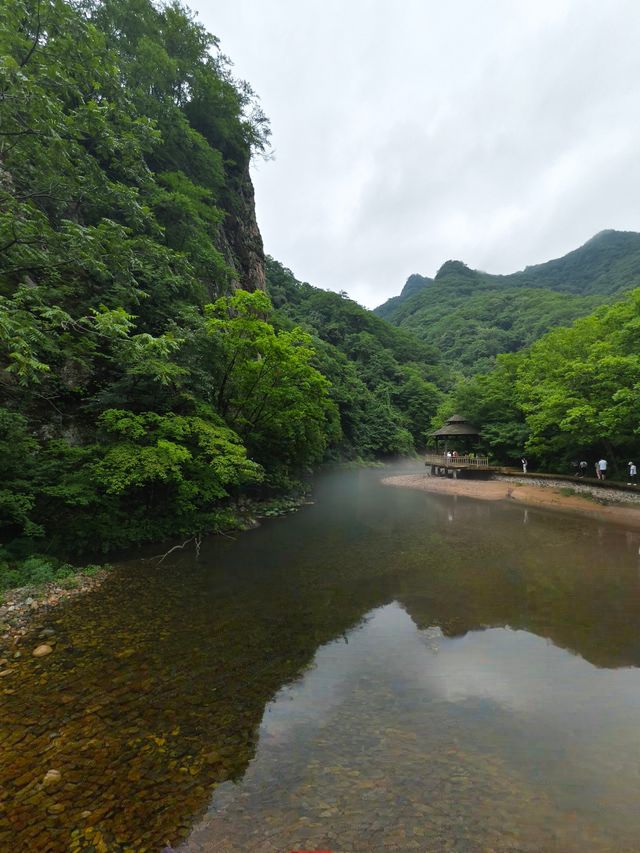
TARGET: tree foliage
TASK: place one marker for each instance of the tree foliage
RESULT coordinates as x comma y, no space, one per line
137,394
472,316
141,387
385,383
574,392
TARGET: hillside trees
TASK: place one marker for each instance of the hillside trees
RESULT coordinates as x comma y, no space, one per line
575,392
580,387
472,316
124,146
144,377
266,388
385,383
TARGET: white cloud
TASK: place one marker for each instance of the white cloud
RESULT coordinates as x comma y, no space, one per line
499,133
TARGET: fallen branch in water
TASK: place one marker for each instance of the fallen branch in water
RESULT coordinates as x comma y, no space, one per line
197,540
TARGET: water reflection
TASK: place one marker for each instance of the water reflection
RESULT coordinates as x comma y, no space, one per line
396,741
158,685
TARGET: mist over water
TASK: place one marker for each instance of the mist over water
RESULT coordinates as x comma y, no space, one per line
385,669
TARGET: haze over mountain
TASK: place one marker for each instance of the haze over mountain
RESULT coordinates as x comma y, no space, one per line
470,316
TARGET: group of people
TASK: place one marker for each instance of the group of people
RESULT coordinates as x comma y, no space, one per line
600,466
601,470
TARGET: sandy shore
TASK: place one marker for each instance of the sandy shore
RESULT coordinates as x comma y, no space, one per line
540,496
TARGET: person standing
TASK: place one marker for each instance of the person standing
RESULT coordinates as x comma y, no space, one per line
633,471
602,465
583,468
524,465
597,467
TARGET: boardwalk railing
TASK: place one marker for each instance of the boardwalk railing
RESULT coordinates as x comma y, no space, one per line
456,461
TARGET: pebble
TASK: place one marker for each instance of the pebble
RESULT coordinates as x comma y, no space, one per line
51,778
42,650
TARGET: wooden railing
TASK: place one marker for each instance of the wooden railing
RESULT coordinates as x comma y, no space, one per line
456,461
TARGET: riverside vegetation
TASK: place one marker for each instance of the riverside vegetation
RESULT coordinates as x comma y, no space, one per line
156,367
536,375
146,380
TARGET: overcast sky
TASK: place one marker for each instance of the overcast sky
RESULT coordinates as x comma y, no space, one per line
495,132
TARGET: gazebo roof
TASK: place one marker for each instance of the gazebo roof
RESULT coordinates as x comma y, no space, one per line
456,425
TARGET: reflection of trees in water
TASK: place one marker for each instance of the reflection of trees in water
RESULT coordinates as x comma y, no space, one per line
166,678
159,681
555,577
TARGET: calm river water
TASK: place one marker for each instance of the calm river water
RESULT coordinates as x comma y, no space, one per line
386,670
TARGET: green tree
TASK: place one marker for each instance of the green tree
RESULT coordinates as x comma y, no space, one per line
267,389
580,387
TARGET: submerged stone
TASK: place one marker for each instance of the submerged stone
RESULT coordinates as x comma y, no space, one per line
51,778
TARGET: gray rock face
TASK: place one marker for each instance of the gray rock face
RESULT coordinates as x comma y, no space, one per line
241,241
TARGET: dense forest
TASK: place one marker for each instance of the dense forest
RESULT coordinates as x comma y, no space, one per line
542,360
146,378
385,384
471,316
574,394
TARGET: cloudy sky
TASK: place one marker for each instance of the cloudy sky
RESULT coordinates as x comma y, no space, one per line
496,132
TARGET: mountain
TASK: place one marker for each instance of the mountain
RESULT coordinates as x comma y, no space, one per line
385,384
471,316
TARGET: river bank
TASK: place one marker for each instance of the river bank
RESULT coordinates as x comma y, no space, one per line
624,509
21,604
19,607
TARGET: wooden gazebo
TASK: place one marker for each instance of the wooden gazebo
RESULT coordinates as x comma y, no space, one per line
455,427
445,464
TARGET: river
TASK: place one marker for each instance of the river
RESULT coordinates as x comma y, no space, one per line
384,670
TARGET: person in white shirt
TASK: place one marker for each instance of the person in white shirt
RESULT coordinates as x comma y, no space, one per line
602,467
632,473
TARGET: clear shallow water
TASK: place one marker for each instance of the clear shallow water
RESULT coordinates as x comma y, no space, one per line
385,670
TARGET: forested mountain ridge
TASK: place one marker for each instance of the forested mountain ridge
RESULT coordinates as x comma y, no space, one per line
573,394
385,383
472,316
413,285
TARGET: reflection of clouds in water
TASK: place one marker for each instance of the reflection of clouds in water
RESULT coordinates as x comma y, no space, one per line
545,710
525,673
513,669
431,638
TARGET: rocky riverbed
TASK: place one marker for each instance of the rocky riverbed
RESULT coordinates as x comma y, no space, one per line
19,608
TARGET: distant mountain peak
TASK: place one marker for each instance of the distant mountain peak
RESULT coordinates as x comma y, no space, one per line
471,316
454,268
414,283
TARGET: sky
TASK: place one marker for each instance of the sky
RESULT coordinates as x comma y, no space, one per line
405,134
